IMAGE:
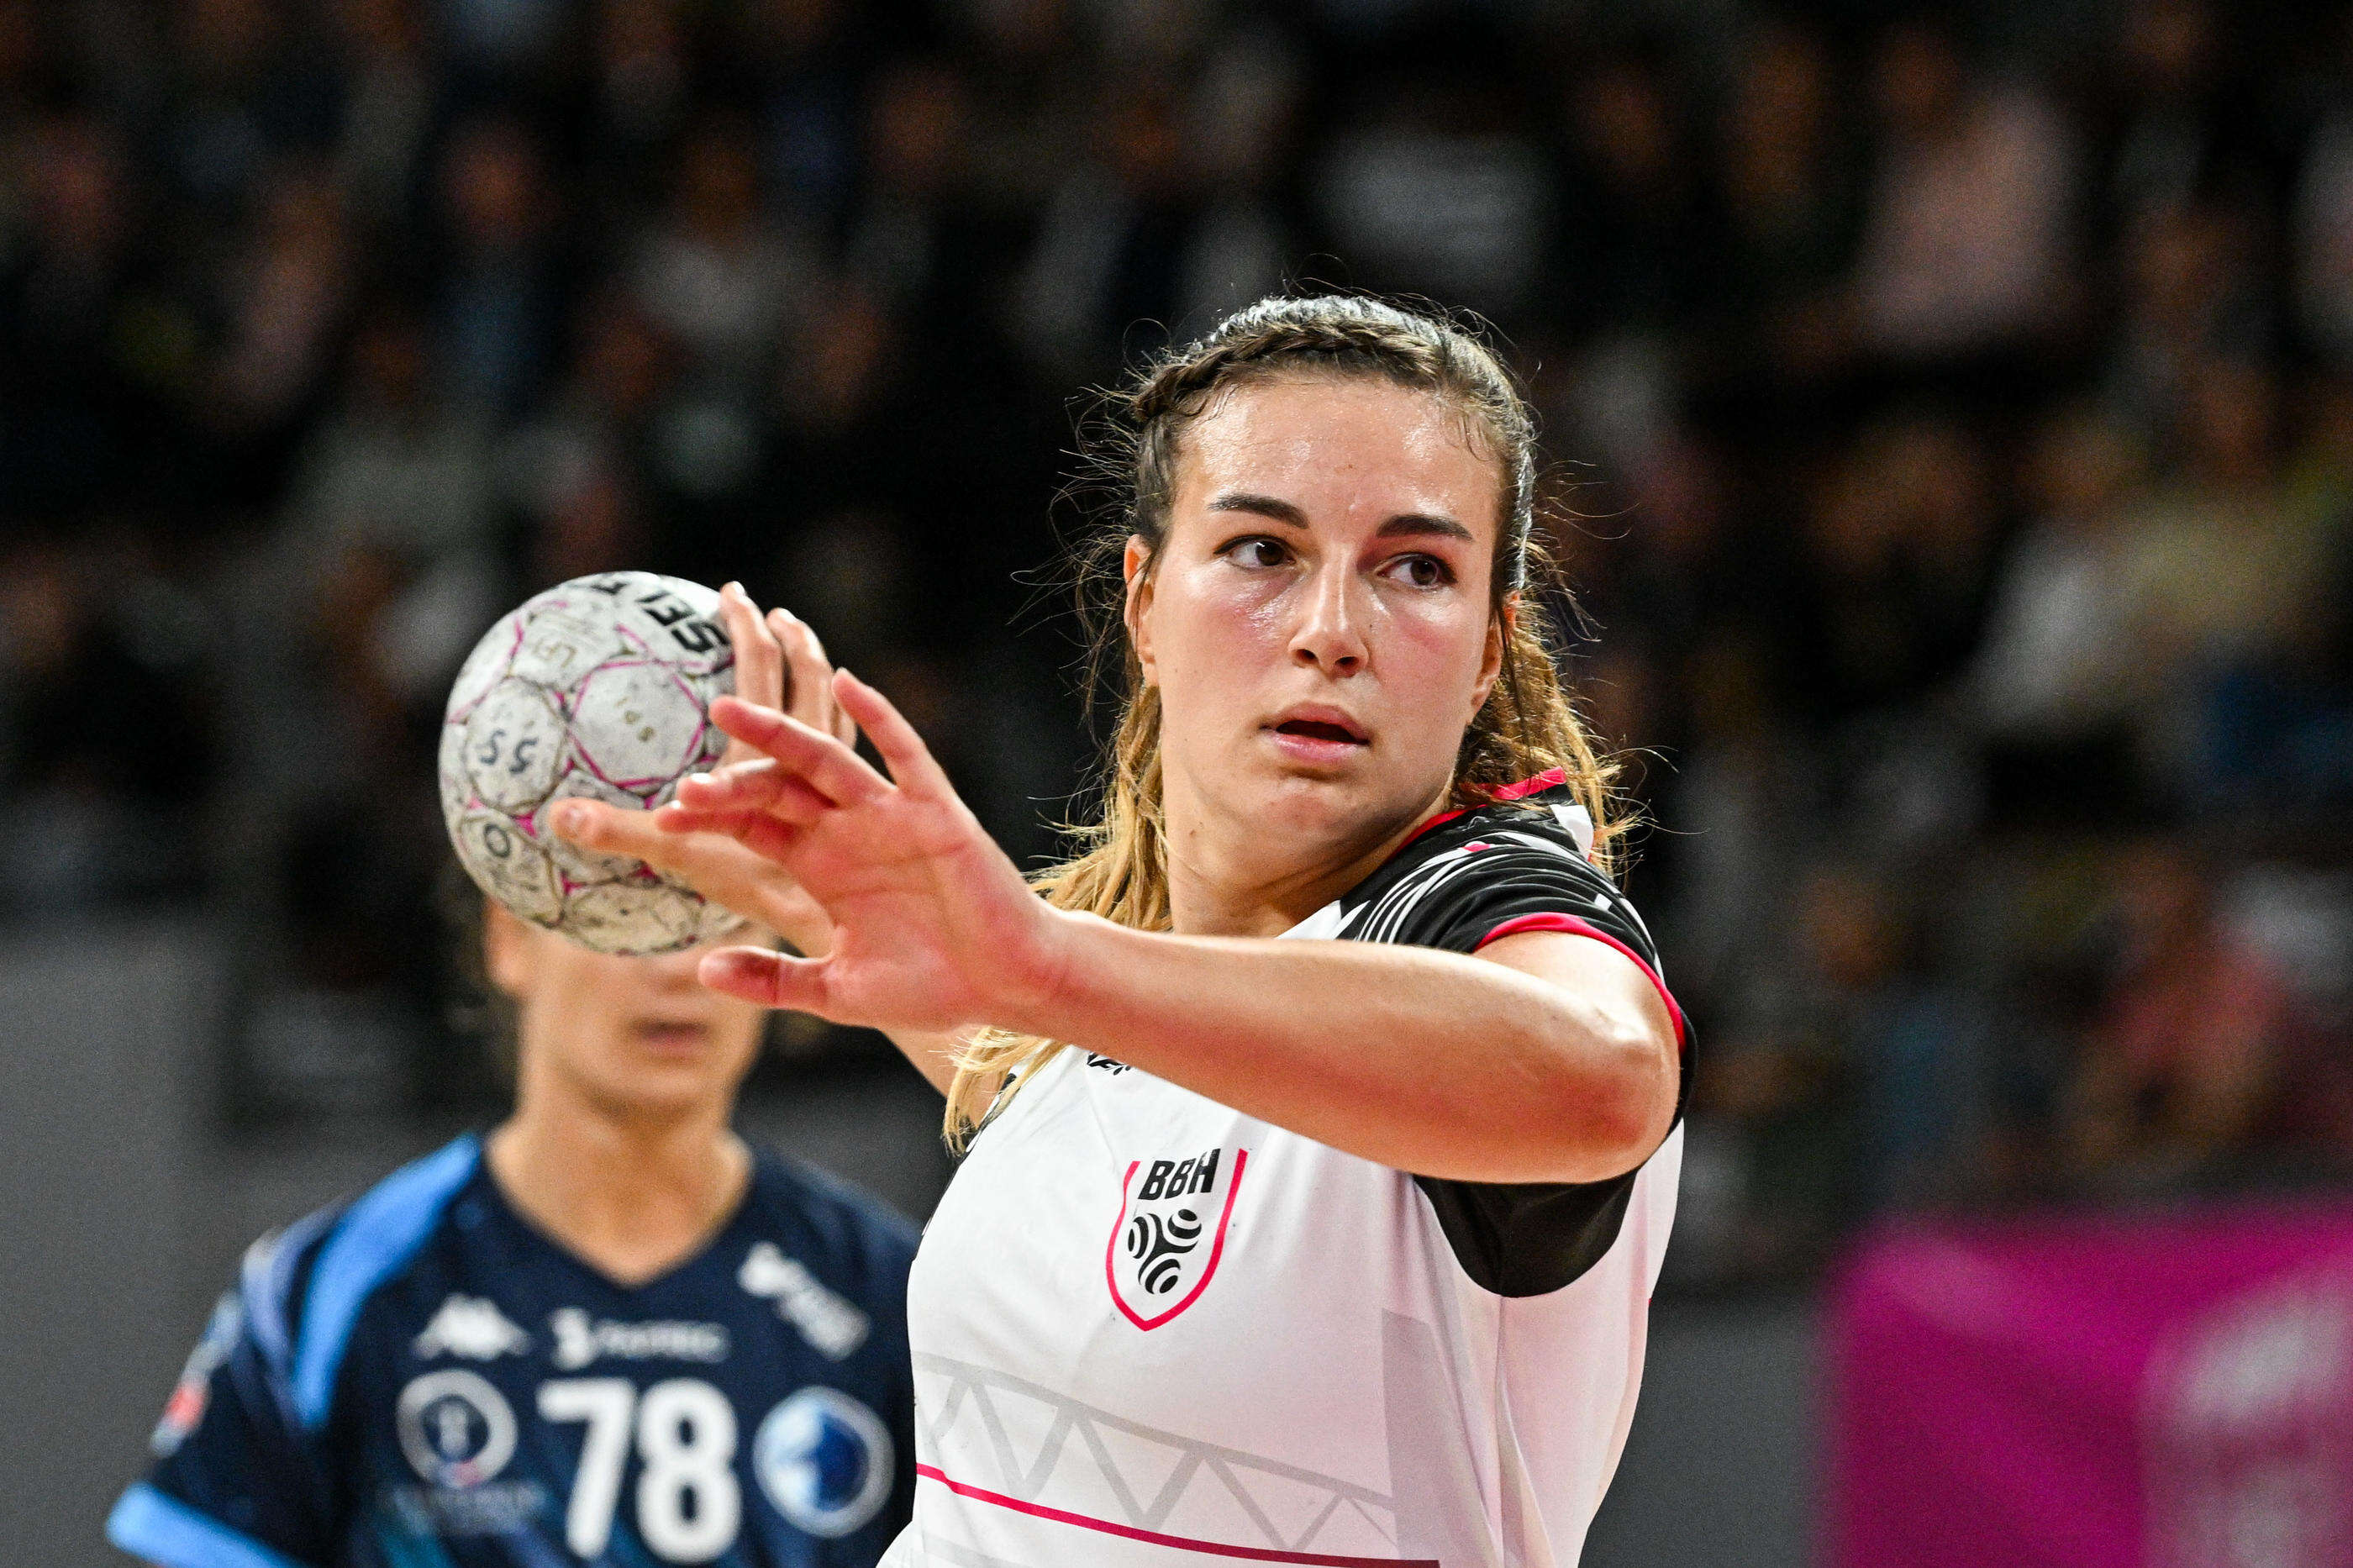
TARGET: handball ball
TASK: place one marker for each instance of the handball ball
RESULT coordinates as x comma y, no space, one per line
599,690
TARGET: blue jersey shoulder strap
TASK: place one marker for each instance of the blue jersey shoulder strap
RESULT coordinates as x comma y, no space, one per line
266,1282
377,1236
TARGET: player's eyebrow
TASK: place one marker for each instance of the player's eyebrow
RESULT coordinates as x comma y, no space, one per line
1267,507
1406,524
1428,524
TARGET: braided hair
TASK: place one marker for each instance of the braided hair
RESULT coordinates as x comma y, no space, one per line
1526,726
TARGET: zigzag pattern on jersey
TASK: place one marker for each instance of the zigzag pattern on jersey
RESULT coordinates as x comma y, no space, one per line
972,1395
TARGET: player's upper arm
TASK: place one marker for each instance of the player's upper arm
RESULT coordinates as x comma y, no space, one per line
1640,1037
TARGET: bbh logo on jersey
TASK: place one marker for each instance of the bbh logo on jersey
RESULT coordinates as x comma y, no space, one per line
1171,1232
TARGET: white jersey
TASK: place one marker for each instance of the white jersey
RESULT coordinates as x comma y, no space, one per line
1149,1330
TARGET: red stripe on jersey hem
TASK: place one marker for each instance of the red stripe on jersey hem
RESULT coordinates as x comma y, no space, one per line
1155,1537
1575,927
1528,786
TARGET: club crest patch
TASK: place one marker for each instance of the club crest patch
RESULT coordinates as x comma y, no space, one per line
1171,1232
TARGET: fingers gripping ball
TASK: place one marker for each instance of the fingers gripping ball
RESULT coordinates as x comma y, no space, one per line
600,688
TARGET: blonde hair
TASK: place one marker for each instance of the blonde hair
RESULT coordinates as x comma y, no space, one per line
1526,726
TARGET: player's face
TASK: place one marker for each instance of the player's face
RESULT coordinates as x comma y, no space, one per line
1318,620
638,1036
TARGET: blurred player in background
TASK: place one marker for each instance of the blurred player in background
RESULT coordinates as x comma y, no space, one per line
1334,1250
607,1332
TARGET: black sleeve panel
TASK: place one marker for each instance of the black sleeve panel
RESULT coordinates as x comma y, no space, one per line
1506,880
1528,1238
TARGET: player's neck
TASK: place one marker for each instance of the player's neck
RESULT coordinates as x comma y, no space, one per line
1227,877
631,1196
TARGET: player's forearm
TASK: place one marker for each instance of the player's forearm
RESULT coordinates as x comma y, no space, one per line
1428,1061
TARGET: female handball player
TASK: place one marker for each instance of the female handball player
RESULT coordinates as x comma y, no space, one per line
1323,1115
607,1332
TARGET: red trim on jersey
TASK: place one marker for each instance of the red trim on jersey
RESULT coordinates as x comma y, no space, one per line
1155,1537
1575,927
1536,785
1217,1247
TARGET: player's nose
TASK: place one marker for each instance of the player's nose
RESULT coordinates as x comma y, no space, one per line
677,971
1330,630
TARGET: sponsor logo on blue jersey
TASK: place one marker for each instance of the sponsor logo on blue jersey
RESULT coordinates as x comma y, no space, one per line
458,1432
825,1460
581,1339
831,1324
472,1327
456,1429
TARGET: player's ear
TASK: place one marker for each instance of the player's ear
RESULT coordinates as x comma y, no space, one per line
506,950
1135,566
1501,626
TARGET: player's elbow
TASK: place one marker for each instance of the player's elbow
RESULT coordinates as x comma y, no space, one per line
1616,1106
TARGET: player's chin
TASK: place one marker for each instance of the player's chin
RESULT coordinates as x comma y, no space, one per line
658,1084
1313,801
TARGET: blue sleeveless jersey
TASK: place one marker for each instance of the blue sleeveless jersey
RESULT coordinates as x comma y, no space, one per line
421,1380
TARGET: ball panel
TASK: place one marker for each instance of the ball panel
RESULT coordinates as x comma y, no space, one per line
514,747
638,725
483,668
560,644
713,921
668,618
508,864
631,918
457,789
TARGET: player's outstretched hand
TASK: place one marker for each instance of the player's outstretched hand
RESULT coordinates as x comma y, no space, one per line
934,928
776,656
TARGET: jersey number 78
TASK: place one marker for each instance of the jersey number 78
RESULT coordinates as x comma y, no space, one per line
690,1504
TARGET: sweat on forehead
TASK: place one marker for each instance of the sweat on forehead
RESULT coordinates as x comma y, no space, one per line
1314,421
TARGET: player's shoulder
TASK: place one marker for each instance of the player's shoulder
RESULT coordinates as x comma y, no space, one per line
302,1288
1534,829
813,1206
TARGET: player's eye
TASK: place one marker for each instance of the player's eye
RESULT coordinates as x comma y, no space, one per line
1419,571
1257,551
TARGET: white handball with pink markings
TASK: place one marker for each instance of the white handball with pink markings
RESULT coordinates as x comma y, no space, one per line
600,689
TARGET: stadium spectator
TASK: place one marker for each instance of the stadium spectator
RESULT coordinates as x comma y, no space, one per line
1965,246
1789,189
718,272
497,307
2184,1061
2052,663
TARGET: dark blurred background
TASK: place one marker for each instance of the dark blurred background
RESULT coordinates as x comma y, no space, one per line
1956,407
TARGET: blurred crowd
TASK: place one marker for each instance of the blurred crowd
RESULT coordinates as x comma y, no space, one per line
1953,414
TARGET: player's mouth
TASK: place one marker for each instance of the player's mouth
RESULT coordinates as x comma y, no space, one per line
1317,733
671,1037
